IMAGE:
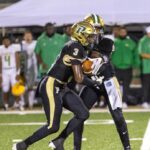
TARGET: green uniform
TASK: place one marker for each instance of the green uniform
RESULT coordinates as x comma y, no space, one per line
65,37
49,48
125,55
144,47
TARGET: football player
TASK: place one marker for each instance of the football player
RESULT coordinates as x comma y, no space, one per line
54,94
28,46
110,87
9,69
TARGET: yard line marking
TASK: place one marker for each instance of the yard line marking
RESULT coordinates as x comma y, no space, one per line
16,140
22,124
102,122
136,139
146,139
25,112
88,122
84,139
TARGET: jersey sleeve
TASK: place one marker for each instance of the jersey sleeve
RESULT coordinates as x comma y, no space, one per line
77,53
38,46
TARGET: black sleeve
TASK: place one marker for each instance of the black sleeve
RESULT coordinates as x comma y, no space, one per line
77,52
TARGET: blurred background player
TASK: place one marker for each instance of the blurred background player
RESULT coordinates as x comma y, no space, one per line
66,33
28,46
144,52
114,31
124,59
48,47
10,69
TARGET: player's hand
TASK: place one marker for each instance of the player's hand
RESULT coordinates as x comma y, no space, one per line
97,63
44,66
17,77
98,81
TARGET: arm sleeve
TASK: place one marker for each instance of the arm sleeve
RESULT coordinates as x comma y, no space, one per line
77,53
140,47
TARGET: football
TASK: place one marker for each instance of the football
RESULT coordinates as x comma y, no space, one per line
87,66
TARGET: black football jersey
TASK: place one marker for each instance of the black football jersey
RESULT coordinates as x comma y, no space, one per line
72,53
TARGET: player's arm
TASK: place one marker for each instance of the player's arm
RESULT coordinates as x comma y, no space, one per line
17,55
81,78
145,56
37,51
78,74
77,53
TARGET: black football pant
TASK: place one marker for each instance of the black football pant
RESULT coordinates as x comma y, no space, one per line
52,95
75,104
89,97
49,91
146,87
124,77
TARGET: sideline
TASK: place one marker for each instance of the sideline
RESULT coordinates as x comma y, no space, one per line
25,112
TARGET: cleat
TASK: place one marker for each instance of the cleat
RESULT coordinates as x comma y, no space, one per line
51,145
57,144
20,146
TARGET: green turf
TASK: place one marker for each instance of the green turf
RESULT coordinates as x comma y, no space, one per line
99,137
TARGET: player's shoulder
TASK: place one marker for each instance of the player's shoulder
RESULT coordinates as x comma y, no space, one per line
105,45
34,41
1,47
106,40
74,49
72,44
16,47
143,39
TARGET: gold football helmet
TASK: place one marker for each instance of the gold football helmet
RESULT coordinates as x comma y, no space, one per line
96,21
84,32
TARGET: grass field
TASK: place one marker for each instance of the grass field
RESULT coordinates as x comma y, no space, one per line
96,137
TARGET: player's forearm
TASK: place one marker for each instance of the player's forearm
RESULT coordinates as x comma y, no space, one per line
39,59
145,56
17,61
78,75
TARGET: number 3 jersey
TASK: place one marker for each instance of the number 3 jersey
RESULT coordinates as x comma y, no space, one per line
72,53
8,56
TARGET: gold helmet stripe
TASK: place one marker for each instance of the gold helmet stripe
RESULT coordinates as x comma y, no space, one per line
96,19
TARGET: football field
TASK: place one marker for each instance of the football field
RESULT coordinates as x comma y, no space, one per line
99,134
